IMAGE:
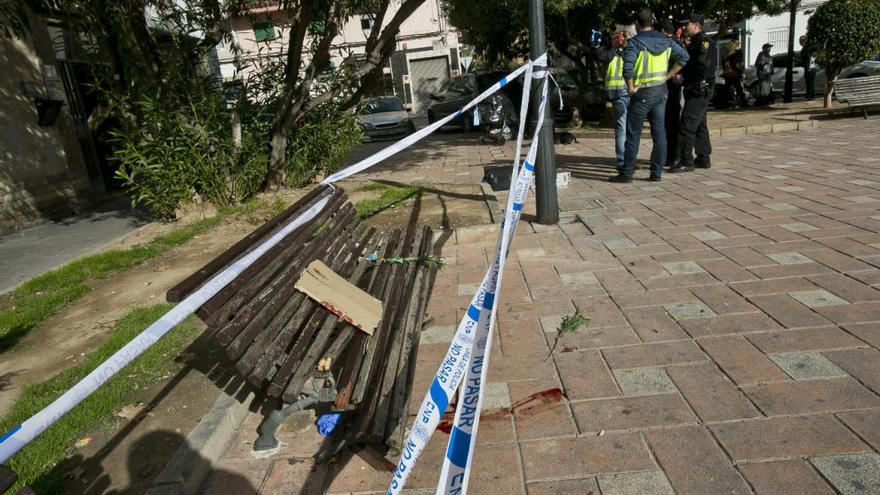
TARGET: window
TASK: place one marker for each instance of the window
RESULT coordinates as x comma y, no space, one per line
264,31
366,23
778,38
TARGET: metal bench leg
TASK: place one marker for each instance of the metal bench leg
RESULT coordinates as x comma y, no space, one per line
269,426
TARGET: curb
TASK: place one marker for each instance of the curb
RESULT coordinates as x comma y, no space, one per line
191,463
794,125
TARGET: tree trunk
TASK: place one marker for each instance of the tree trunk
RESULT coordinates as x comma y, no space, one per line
829,91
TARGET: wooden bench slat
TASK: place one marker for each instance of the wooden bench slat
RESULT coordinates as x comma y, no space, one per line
180,291
264,266
254,349
239,312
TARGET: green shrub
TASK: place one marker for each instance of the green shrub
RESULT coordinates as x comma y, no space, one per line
321,144
170,153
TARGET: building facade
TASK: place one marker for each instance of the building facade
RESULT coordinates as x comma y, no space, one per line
427,52
773,29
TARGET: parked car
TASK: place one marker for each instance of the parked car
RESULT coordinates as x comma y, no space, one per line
459,90
384,117
780,61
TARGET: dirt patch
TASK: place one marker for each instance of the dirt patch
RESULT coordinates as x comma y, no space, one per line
125,455
442,206
66,338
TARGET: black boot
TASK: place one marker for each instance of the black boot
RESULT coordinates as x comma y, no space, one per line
702,161
620,179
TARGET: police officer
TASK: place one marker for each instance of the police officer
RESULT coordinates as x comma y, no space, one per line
673,104
646,68
698,81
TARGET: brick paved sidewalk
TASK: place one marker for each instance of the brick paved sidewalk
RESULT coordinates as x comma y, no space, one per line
734,339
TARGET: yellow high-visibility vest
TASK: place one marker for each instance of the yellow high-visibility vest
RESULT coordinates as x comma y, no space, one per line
614,75
650,70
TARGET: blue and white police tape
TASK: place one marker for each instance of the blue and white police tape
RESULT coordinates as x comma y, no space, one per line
455,474
422,133
460,354
20,435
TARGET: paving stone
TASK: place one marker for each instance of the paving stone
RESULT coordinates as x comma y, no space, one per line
496,396
690,309
790,188
727,324
862,182
712,395
869,332
712,182
851,474
640,483
683,267
437,334
585,375
789,258
656,354
708,235
563,487
631,412
722,300
817,298
720,195
619,244
793,477
813,396
581,278
780,286
861,199
554,421
852,313
585,457
653,324
781,207
701,214
808,339
863,364
626,221
798,227
694,463
512,368
846,288
807,365
789,312
596,338
866,424
467,289
791,437
741,360
644,381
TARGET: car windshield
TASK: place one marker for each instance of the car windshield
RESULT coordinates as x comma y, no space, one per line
380,105
461,85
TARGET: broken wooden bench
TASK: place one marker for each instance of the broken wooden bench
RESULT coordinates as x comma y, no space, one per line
276,335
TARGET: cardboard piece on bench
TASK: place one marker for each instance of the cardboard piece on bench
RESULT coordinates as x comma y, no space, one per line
339,296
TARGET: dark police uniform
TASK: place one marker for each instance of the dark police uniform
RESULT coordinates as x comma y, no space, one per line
698,81
673,119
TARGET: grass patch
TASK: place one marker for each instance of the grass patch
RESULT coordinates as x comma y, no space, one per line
46,295
373,186
34,463
366,208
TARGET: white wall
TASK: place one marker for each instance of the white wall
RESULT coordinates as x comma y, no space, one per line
767,29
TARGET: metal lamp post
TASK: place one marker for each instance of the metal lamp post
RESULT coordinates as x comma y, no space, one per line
789,71
545,166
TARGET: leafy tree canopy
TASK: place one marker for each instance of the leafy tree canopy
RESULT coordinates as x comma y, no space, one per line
844,32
